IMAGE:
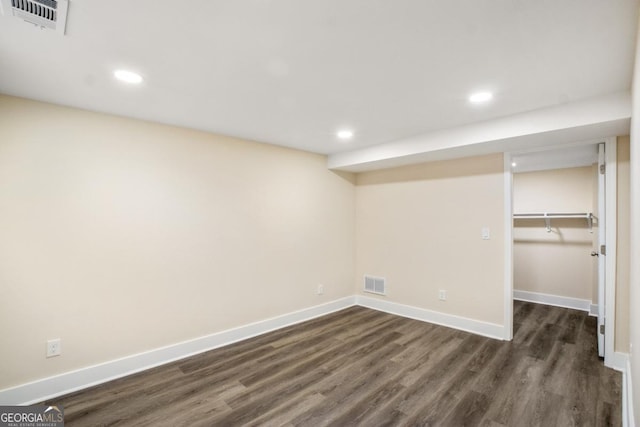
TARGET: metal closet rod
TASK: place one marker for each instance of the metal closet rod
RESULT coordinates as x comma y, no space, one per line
547,218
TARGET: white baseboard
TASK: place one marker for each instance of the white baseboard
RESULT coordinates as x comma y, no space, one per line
555,300
593,310
622,363
68,382
619,361
478,327
628,418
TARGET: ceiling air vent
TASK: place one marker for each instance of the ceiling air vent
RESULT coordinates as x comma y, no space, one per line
50,14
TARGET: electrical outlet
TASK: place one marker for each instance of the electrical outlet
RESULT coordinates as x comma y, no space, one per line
442,295
320,290
485,233
54,347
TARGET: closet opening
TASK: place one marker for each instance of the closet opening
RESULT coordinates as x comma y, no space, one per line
563,203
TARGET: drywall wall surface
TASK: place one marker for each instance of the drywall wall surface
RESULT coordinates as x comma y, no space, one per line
555,190
556,262
119,236
623,240
420,226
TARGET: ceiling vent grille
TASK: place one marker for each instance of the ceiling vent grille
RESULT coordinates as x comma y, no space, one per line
51,14
375,285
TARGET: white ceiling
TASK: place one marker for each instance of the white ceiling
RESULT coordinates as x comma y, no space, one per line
293,72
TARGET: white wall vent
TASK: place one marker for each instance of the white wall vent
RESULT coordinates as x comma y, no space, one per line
50,14
375,285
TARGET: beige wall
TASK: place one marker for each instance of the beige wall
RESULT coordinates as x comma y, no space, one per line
559,262
623,259
119,236
420,228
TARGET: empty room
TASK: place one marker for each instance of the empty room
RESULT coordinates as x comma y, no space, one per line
319,213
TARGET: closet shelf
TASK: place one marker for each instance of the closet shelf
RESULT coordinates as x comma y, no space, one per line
548,216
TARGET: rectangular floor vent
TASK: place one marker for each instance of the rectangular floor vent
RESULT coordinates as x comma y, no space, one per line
375,285
51,14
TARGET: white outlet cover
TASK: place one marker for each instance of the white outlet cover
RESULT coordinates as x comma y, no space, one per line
486,233
54,347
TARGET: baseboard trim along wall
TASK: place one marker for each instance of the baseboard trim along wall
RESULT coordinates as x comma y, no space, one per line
68,382
555,300
628,418
478,327
593,310
619,362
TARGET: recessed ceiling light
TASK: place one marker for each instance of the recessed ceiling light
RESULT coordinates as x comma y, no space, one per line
514,164
480,97
345,134
127,76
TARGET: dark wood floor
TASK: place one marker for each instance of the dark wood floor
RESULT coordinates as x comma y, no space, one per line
363,367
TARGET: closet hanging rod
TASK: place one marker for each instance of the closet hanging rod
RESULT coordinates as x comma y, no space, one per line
547,216
553,215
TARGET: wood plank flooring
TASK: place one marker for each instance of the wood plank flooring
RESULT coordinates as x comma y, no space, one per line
367,368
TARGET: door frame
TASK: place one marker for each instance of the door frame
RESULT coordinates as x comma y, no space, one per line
611,201
508,248
611,221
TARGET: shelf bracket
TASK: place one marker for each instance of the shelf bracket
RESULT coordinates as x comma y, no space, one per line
547,223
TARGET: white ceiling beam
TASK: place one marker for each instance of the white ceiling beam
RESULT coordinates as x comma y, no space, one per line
585,120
